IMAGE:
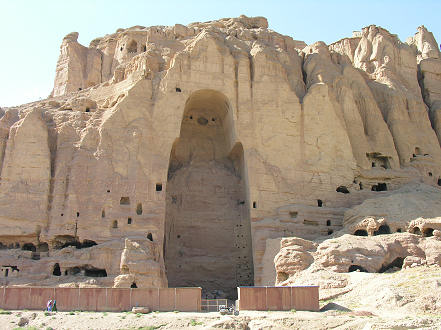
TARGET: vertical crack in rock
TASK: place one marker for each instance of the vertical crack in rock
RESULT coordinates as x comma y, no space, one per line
304,76
236,87
251,68
52,143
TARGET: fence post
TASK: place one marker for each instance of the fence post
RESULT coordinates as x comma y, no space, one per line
29,299
290,298
266,298
159,299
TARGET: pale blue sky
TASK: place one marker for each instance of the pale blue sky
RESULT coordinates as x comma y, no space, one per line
31,31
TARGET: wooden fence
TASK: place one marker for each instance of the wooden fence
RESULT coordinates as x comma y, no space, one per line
101,299
157,299
282,298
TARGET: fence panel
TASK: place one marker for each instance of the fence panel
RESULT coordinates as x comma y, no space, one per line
118,300
146,298
305,298
167,299
38,298
68,299
188,299
278,298
252,298
92,299
16,298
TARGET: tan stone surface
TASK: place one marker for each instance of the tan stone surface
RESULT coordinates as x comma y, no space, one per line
399,229
301,135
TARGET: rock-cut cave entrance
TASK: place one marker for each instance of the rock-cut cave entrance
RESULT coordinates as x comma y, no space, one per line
207,228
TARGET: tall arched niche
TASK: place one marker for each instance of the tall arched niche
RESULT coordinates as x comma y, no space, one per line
207,227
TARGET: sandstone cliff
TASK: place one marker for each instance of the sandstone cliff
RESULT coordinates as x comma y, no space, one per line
187,146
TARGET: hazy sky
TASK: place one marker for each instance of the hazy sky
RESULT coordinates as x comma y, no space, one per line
32,31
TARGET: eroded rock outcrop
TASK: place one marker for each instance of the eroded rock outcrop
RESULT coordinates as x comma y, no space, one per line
159,132
385,234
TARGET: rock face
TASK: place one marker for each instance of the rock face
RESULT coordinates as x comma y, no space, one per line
382,234
174,153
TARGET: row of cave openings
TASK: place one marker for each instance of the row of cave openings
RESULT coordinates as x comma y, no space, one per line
35,249
293,215
9,269
385,229
396,264
419,153
382,161
125,201
377,160
132,47
380,186
84,270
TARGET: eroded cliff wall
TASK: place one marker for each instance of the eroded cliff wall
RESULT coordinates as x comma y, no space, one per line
291,135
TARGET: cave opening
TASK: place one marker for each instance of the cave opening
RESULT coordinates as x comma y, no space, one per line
124,200
354,268
376,158
56,270
416,231
361,232
132,47
29,247
139,209
64,241
396,263
342,189
207,174
87,243
95,272
382,230
43,247
428,232
86,270
293,214
381,186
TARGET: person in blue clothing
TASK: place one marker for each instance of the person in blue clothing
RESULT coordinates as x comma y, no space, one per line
51,306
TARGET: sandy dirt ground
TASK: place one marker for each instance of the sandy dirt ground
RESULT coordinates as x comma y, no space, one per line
245,320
